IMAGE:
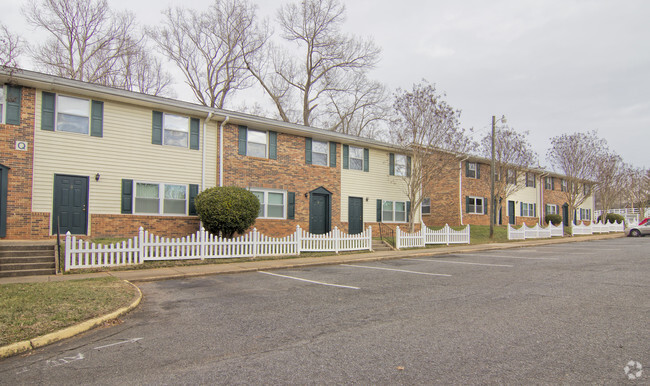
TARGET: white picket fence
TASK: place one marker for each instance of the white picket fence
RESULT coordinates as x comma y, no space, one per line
535,232
582,229
426,235
204,245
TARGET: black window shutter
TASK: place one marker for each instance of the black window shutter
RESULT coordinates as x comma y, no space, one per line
195,133
97,119
14,96
127,196
194,191
48,105
466,204
478,171
308,151
346,157
333,154
408,166
291,205
391,164
408,211
521,209
366,160
273,145
379,206
485,204
466,168
243,137
156,127
534,210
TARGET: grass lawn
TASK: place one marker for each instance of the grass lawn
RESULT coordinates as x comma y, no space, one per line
34,309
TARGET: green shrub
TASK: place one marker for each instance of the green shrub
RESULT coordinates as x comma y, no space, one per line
227,210
554,219
612,217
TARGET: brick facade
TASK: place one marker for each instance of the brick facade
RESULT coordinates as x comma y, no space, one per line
289,173
444,194
110,225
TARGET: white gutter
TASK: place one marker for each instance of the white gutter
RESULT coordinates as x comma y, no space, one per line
224,122
460,187
205,123
542,186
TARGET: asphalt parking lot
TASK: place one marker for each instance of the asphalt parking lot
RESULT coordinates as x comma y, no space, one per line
566,313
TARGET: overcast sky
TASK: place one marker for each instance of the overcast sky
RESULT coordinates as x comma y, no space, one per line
550,66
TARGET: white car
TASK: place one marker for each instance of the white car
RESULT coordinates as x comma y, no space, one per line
638,230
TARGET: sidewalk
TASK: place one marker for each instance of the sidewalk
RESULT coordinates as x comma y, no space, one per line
142,275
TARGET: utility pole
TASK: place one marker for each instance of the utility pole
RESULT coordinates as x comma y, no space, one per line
493,207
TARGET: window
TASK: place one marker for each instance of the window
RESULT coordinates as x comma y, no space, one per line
586,189
527,210
475,205
530,180
256,144
563,186
356,158
154,198
548,183
319,153
552,209
272,203
585,214
2,104
73,114
511,177
426,206
472,170
176,130
394,211
400,165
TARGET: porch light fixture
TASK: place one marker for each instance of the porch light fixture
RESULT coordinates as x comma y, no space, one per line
97,177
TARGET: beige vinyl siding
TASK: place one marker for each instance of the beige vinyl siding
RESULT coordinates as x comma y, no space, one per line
374,184
124,151
526,194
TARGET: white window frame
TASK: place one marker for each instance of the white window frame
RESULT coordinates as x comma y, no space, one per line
471,168
530,182
313,152
555,209
165,129
512,180
428,206
264,205
564,185
266,143
393,211
3,103
401,163
350,151
586,189
161,199
528,210
548,183
476,205
57,111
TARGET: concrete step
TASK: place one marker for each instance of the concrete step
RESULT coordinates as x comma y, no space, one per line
22,266
29,272
26,259
31,253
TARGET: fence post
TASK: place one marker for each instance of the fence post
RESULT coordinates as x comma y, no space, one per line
370,237
397,237
202,243
141,245
298,240
336,240
469,234
68,248
447,233
255,242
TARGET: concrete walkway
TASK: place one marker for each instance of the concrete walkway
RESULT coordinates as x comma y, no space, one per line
140,275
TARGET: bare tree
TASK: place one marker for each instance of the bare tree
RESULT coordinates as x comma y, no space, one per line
142,72
11,47
576,155
513,156
637,188
611,177
360,110
428,129
209,47
87,40
325,61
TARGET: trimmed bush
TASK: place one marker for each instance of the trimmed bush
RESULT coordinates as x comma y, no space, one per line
227,210
612,217
554,219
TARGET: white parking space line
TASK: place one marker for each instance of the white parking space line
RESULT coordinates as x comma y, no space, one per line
506,257
462,262
396,270
309,281
564,252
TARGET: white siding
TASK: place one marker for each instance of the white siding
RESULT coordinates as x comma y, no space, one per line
373,185
124,151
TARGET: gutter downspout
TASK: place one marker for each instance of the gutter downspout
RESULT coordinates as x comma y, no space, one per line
460,188
224,122
205,124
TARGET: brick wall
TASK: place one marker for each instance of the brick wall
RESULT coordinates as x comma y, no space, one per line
126,225
554,197
20,222
288,173
444,194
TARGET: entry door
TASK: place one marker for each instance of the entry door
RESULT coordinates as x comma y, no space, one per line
70,204
565,215
319,213
355,215
511,212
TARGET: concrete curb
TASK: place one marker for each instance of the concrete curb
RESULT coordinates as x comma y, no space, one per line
27,345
